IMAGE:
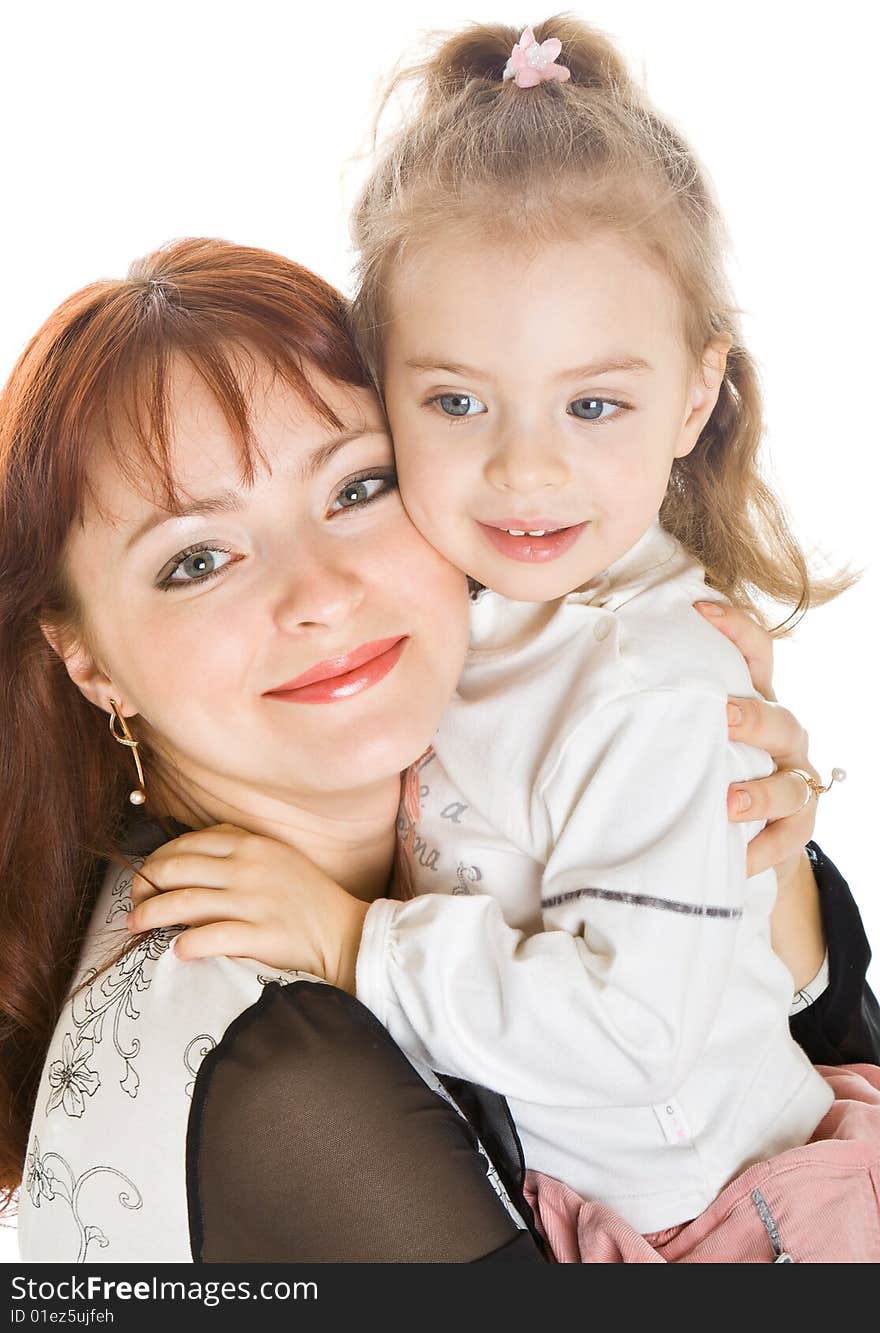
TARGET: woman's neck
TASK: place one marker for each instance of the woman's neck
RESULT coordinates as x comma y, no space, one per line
351,836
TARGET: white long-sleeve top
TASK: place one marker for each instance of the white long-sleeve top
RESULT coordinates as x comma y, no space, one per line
587,942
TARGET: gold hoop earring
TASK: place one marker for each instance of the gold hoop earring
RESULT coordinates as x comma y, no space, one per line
139,795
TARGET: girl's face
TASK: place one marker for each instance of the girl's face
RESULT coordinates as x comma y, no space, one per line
537,400
314,575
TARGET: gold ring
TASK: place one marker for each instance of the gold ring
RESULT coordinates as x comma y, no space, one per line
813,787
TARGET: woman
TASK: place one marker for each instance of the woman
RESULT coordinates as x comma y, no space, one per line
210,414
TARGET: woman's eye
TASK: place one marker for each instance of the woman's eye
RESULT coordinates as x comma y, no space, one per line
459,404
593,409
361,490
198,565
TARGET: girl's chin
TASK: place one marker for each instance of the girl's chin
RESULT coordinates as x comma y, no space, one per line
537,584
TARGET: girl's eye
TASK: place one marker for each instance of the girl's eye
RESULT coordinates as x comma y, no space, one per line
593,409
459,404
362,491
198,564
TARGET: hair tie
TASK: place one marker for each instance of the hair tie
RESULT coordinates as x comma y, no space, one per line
532,62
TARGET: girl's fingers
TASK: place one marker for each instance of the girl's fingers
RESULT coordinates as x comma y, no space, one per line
168,867
753,642
230,939
141,889
218,840
180,869
192,906
780,840
770,727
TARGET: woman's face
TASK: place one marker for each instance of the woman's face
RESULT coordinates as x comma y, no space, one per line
193,623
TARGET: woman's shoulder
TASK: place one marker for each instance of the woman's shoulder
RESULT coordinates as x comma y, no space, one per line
148,984
121,982
108,1136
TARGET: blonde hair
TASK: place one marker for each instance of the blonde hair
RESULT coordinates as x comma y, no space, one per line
481,155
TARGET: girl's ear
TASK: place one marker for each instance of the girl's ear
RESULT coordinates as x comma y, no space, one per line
82,666
704,390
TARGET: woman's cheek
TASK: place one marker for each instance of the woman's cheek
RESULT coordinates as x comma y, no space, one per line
190,658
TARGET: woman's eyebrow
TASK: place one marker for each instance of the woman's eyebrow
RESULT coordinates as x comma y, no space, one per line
232,502
227,502
321,455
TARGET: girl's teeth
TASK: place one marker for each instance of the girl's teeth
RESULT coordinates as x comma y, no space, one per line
516,532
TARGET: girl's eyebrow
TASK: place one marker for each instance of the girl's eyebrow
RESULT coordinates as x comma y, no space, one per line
605,366
232,502
451,367
590,370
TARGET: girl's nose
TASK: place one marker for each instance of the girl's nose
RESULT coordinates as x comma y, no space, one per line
321,592
522,466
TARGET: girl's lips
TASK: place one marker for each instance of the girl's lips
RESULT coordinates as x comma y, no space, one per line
327,683
533,550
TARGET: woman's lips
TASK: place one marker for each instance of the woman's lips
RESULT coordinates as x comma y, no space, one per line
532,550
341,677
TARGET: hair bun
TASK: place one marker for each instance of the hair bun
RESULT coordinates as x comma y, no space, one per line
482,50
591,56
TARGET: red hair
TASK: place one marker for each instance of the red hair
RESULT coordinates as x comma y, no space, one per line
100,361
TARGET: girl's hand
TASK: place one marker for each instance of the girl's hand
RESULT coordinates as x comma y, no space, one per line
778,799
275,905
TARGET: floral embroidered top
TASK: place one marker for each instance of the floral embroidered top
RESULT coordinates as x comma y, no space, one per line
120,1165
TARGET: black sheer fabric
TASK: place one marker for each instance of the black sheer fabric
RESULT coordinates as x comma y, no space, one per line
489,1114
313,1139
842,1026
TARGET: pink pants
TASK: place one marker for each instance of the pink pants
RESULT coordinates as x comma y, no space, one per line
816,1204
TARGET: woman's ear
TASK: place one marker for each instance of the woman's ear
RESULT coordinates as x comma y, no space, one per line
705,387
82,666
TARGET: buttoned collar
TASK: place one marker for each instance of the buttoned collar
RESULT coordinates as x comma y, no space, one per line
500,625
638,568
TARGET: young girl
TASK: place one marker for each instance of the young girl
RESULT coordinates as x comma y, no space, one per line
576,422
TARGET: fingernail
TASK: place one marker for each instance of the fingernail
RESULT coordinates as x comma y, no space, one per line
734,715
742,801
710,608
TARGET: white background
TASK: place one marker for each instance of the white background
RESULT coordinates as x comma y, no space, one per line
124,125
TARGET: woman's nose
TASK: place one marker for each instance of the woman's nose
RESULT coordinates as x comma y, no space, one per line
524,466
319,593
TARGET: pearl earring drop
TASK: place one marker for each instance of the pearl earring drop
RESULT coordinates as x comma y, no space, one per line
139,795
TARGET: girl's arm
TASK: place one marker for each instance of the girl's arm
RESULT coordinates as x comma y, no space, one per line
639,930
643,898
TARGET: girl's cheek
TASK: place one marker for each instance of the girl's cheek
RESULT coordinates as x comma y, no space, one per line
426,572
431,481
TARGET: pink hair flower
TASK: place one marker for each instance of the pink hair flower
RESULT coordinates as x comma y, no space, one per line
532,62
